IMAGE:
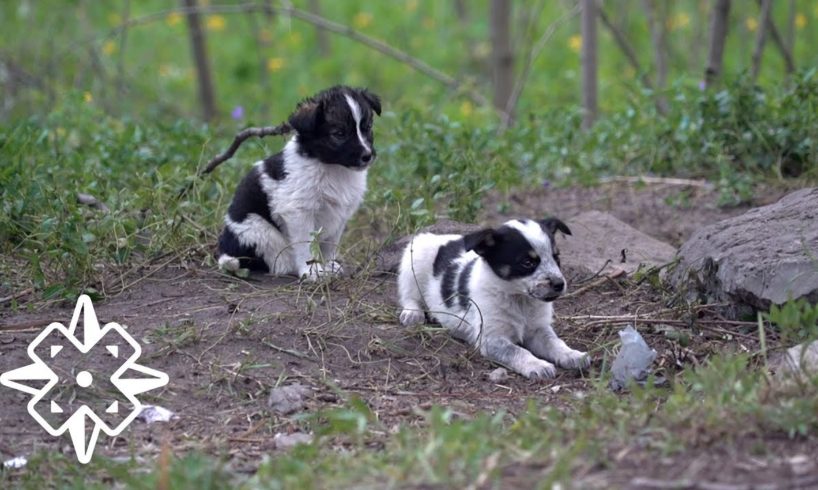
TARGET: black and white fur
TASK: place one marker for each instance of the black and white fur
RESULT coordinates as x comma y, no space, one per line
308,190
493,289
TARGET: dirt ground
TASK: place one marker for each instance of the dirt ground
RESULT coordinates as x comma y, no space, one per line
225,342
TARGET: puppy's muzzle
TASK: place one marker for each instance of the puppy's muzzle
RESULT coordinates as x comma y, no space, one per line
366,159
548,290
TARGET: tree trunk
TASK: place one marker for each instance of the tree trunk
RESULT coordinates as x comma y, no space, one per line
198,44
323,40
588,61
718,35
658,35
501,54
789,40
761,37
462,11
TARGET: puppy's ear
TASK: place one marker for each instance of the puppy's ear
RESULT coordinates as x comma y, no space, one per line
481,241
305,118
373,100
552,225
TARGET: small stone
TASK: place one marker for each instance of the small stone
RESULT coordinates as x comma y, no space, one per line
285,400
498,375
286,441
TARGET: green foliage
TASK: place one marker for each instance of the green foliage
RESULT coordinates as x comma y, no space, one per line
796,321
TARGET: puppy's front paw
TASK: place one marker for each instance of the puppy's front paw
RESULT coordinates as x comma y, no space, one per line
312,273
334,268
411,317
538,369
573,359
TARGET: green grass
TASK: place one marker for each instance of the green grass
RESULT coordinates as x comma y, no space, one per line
430,166
720,404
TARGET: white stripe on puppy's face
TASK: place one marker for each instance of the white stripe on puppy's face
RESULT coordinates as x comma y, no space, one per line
356,114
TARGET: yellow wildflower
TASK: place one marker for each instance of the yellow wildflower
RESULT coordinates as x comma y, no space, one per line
575,43
362,20
678,21
216,23
294,38
800,21
173,19
109,47
411,5
87,97
751,24
466,108
164,70
275,64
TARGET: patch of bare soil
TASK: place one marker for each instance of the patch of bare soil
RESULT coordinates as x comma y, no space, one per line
225,342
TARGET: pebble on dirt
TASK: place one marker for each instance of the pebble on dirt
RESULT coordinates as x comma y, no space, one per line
285,400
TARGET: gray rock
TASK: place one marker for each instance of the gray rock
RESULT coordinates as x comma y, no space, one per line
766,255
285,400
597,238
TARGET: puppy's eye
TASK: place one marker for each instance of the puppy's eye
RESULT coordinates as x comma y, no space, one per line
338,133
528,263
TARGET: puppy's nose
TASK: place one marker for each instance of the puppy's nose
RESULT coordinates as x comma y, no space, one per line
367,157
558,284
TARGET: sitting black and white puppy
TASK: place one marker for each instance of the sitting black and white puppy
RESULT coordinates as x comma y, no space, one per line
306,192
493,289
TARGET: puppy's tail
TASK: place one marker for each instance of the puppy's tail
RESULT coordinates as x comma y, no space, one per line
228,263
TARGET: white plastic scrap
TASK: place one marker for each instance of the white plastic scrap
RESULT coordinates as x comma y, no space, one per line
155,413
15,463
634,359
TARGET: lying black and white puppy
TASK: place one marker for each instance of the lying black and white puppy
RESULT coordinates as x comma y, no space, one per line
306,192
493,289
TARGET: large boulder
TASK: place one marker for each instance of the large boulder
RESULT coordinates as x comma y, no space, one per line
766,255
599,242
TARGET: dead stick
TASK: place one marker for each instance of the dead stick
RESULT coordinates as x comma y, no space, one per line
281,129
16,295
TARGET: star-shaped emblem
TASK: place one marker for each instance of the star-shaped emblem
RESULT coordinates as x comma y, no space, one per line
78,375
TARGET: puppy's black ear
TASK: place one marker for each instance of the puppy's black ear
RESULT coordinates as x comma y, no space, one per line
552,225
305,118
373,100
481,241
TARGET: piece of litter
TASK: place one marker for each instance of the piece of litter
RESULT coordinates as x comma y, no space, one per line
498,375
555,388
633,360
288,399
154,413
15,463
286,441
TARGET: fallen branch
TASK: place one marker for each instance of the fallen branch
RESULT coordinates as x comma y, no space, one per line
279,130
16,295
647,179
602,280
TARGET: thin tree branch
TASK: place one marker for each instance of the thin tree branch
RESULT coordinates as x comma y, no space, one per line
782,46
331,26
245,134
626,48
658,36
535,52
761,37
